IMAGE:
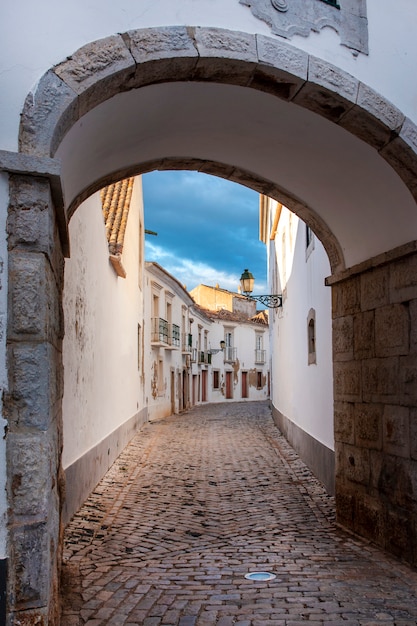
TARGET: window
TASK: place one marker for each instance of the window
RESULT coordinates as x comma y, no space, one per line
259,341
155,306
260,354
216,379
230,353
332,3
309,241
311,336
169,312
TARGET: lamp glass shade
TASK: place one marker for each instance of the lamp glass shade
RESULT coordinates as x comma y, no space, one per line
247,281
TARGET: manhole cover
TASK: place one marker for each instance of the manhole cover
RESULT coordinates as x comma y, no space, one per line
260,576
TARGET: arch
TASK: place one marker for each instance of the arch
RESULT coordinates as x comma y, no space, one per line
108,74
306,94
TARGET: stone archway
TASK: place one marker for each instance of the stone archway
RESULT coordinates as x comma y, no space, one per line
374,303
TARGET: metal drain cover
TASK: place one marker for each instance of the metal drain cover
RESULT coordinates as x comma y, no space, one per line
260,576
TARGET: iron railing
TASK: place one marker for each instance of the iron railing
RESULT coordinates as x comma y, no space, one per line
230,354
260,356
159,330
175,335
187,342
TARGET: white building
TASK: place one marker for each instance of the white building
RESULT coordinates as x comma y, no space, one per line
176,359
103,402
241,372
301,333
195,355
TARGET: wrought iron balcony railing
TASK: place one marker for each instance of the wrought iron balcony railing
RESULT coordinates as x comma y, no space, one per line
165,333
187,342
159,330
204,358
260,356
230,354
175,335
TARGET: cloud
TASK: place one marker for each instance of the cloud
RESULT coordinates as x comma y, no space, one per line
191,273
207,228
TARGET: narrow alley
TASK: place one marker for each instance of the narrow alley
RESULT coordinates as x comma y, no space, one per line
199,500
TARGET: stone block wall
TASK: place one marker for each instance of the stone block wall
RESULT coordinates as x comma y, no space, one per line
33,403
375,390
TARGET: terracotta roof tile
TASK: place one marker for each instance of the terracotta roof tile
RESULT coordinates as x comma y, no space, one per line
261,317
223,314
115,201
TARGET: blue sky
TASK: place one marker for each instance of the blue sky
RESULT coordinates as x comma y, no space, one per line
208,229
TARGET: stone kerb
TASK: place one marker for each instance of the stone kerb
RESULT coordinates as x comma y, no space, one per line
137,58
375,382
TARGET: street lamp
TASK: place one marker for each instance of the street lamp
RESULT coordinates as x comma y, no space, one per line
216,350
247,282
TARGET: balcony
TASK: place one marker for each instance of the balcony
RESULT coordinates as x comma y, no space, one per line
230,354
159,332
204,358
260,356
165,334
186,342
174,336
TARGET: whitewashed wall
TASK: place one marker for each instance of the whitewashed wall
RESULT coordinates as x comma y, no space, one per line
102,313
244,340
301,392
37,36
162,397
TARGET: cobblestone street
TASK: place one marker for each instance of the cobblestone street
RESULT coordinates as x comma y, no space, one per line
197,501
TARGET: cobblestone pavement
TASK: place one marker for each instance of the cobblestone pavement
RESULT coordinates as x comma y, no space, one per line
197,501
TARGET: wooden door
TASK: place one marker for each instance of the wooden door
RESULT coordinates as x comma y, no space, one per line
244,384
229,385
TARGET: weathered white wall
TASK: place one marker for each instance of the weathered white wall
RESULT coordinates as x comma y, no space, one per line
303,393
160,401
102,383
39,35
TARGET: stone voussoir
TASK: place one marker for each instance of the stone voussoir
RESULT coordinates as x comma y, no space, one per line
401,154
161,53
329,91
235,54
94,62
97,71
373,118
281,70
47,115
